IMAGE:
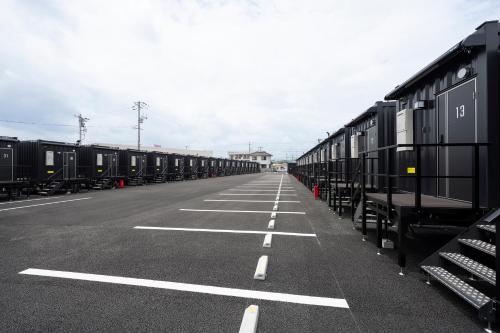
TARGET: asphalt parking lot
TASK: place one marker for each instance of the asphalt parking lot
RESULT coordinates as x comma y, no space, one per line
181,257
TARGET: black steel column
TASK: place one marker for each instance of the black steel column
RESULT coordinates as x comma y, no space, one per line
363,195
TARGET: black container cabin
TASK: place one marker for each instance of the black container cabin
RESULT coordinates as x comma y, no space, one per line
175,167
224,169
221,164
190,167
203,167
10,183
157,170
100,165
371,130
51,166
212,167
339,167
133,166
232,167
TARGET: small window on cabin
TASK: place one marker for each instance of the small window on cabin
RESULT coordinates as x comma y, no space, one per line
133,161
157,161
176,162
99,160
49,158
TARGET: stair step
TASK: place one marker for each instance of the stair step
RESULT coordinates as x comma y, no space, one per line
492,216
470,294
472,266
479,245
488,227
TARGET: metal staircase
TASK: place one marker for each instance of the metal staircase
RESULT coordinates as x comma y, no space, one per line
103,183
467,266
52,188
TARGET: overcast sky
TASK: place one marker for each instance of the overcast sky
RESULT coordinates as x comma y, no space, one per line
216,74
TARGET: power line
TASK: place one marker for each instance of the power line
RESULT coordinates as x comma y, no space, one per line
55,124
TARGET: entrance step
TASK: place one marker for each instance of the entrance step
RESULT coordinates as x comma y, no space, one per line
479,245
472,266
470,294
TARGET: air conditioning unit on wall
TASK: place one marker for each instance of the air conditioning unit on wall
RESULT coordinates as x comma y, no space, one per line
404,129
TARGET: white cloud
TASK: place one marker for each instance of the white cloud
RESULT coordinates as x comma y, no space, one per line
216,74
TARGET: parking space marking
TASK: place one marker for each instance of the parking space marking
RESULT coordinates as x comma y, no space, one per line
238,211
264,186
28,200
298,234
235,200
237,189
194,288
254,194
44,204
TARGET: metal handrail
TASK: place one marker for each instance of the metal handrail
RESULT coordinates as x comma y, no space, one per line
418,175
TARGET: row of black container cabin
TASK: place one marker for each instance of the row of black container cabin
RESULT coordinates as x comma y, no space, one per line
427,157
50,166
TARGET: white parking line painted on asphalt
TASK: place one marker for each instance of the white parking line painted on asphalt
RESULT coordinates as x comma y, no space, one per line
237,189
238,211
236,200
298,234
44,204
255,194
28,200
263,186
250,320
194,288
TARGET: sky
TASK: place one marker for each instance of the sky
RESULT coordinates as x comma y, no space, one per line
215,74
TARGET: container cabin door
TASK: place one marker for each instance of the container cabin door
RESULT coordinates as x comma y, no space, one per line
6,165
112,165
69,165
372,160
457,124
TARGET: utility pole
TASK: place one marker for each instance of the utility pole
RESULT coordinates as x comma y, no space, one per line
81,127
138,106
249,147
260,148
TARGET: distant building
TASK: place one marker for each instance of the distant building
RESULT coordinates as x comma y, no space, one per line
261,157
282,166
